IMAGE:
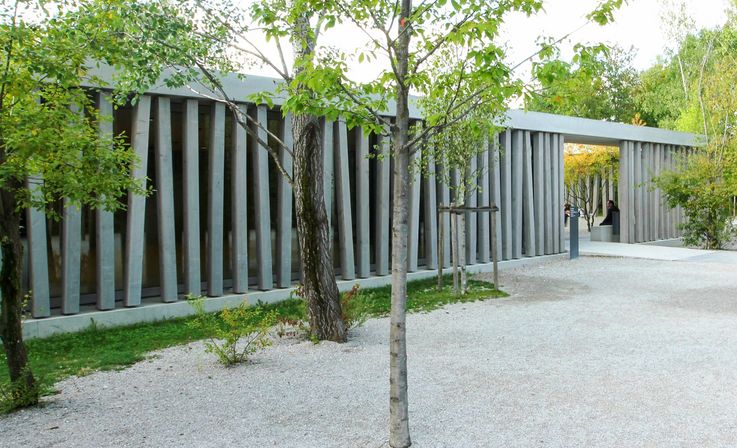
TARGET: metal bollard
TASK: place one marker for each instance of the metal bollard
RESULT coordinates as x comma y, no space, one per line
575,213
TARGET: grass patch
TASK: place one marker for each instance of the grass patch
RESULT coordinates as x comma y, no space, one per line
58,357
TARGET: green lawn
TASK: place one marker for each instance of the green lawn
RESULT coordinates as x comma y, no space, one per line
55,358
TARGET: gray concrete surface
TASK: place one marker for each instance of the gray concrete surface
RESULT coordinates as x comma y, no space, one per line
597,352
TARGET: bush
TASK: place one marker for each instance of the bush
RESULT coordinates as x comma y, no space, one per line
233,334
700,188
17,394
352,308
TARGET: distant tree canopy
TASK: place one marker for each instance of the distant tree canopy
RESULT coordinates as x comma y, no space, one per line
597,83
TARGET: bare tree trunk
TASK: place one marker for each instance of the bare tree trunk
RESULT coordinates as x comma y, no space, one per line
318,274
398,402
11,313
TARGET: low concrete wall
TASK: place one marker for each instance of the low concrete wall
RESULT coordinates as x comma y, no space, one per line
157,311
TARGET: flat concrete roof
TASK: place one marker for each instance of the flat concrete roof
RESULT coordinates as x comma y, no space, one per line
575,130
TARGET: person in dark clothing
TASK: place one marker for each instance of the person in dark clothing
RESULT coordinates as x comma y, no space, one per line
566,214
611,207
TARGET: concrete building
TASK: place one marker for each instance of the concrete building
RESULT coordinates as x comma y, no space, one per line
221,221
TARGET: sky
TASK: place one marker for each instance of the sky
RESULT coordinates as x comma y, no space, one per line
638,24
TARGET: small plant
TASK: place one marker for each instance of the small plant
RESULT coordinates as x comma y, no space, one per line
233,334
353,309
17,395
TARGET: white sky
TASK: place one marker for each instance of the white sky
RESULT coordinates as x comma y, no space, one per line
637,24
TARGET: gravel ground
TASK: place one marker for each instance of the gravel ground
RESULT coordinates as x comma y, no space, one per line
598,352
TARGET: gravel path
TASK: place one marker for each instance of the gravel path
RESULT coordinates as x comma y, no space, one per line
598,352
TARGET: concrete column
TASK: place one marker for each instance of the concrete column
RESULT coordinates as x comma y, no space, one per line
471,229
215,206
328,175
561,174
443,190
610,184
623,187
165,202
132,282
657,202
505,141
528,202
284,215
644,191
239,207
557,209
363,245
71,253
343,199
104,232
517,173
548,191
431,212
538,190
262,210
637,181
631,192
483,198
496,190
382,205
414,213
191,185
37,257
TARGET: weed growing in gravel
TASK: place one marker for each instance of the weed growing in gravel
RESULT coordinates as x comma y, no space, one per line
234,333
17,395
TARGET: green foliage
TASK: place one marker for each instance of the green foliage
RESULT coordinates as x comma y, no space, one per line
17,394
234,333
598,83
48,124
352,307
699,186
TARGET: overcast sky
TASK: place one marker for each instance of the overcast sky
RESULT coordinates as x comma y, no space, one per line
637,25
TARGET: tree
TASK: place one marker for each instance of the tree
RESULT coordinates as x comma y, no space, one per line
705,181
584,173
202,41
404,38
50,146
598,83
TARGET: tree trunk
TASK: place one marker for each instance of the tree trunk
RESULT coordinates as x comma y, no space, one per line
11,311
398,401
318,274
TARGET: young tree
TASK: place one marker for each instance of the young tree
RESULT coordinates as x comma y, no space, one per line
404,38
201,42
50,146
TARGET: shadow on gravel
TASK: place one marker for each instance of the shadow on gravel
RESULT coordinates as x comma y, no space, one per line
530,288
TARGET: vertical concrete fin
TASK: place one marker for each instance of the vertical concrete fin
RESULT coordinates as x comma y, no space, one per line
104,232
484,194
284,215
239,204
382,205
431,214
215,189
363,245
191,184
528,202
165,202
132,285
343,199
262,210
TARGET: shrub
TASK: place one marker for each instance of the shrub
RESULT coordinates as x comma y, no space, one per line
352,307
17,394
233,334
